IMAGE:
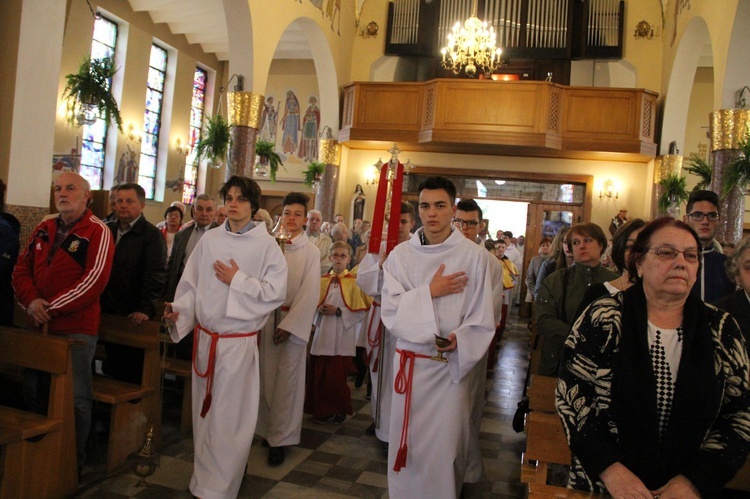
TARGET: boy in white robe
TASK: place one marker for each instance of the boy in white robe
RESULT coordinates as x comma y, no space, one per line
235,277
381,345
438,283
283,346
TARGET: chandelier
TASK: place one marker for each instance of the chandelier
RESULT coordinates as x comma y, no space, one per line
471,46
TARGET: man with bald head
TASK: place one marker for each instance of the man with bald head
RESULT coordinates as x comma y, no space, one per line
58,280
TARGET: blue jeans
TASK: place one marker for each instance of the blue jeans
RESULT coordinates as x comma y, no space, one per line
36,389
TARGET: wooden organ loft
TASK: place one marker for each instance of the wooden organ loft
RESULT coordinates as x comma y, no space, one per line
537,36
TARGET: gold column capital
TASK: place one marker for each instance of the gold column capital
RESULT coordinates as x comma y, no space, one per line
245,109
728,128
329,152
664,166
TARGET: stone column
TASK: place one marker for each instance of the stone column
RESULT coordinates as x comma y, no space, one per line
329,153
244,117
664,166
728,128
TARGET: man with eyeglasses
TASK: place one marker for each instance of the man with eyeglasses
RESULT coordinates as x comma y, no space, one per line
702,215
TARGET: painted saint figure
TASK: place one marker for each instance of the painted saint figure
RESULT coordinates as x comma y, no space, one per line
308,147
269,121
290,124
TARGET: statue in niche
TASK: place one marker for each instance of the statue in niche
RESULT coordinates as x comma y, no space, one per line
290,124
359,199
269,120
308,146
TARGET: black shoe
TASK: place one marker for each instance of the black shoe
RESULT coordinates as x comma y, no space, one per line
264,443
275,456
360,379
370,430
384,449
339,419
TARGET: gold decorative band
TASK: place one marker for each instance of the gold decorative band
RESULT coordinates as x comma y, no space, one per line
329,152
728,128
667,165
245,108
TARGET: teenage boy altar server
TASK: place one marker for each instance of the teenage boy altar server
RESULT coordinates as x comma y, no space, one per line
235,277
438,283
283,345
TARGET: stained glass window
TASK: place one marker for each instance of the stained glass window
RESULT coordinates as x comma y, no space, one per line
196,120
95,135
157,73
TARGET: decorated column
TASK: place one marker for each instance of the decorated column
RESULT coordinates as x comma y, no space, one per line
329,153
244,118
728,128
664,167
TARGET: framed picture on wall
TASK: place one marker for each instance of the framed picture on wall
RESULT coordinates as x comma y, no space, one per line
66,162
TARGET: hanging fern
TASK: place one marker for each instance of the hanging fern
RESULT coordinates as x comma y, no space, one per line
313,172
215,139
675,190
92,85
268,150
701,169
738,173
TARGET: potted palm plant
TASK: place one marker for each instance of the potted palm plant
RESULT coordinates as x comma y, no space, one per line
90,92
313,173
214,142
675,192
268,159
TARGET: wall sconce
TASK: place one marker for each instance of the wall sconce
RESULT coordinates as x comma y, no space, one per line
132,134
370,31
372,174
741,98
609,191
183,150
643,30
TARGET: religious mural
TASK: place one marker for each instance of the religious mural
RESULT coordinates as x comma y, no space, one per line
294,133
330,9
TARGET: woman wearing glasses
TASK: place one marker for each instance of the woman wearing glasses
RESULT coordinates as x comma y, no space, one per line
654,389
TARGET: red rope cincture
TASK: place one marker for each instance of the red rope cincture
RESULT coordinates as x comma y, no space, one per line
403,385
210,368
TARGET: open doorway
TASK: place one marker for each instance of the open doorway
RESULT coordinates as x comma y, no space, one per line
504,215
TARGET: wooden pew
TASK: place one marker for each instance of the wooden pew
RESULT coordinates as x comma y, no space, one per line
133,407
546,444
180,368
541,393
38,452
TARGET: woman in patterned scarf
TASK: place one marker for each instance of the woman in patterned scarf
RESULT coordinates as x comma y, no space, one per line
654,392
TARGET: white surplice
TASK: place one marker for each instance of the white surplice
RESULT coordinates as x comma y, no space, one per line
336,335
222,438
370,280
282,366
439,432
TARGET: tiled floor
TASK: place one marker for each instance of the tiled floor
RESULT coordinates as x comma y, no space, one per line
338,461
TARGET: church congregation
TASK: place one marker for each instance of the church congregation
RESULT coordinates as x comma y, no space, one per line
304,248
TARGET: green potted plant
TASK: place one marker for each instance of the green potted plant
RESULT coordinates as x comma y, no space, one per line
313,173
214,142
89,91
675,192
268,159
698,167
738,172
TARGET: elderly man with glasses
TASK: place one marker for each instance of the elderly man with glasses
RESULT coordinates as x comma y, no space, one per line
702,216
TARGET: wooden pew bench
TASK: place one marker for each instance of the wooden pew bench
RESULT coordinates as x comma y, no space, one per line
546,444
38,452
134,408
541,393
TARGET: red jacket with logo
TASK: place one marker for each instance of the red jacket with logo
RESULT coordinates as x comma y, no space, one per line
72,279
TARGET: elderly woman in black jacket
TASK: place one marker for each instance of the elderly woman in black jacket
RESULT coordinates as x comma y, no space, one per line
654,390
738,303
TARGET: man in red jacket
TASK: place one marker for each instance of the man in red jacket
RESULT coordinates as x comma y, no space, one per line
58,280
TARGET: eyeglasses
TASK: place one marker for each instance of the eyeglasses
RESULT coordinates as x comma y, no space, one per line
465,223
339,255
669,253
697,216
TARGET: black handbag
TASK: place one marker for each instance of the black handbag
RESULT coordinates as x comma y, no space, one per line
519,417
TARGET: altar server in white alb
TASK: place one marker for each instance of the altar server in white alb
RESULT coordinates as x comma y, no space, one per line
233,280
438,283
381,345
283,345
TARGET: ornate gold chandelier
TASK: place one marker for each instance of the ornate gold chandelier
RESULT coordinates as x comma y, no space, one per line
471,46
